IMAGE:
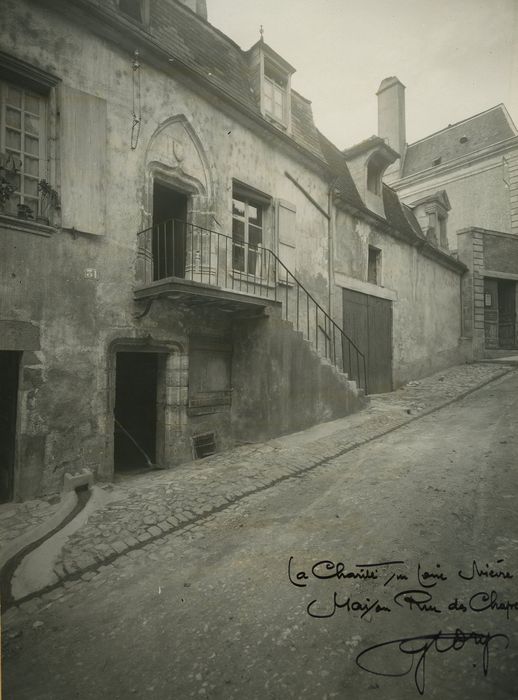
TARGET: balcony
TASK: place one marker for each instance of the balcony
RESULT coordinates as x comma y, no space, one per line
198,267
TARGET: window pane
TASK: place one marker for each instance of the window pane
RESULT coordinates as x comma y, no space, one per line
131,8
32,103
268,104
30,186
13,139
255,214
268,88
13,118
238,230
32,124
31,166
238,207
32,146
238,257
253,258
255,235
14,96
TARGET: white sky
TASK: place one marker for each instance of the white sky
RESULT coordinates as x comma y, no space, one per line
456,57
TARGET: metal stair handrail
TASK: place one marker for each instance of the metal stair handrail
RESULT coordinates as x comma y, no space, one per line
176,248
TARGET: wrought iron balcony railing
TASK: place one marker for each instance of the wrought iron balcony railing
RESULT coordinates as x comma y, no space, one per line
178,249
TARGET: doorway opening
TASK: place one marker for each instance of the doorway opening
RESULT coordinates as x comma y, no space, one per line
506,313
169,231
9,373
368,322
136,396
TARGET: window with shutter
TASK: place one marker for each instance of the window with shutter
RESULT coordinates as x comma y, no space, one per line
22,148
247,235
83,161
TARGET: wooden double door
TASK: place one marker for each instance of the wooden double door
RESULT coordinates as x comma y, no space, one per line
367,320
500,313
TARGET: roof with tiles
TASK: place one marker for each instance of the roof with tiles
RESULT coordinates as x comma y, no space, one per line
204,49
199,46
399,216
457,140
344,182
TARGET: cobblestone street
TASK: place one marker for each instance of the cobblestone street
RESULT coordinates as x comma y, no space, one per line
145,508
206,609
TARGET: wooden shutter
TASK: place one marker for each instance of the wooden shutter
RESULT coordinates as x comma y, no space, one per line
83,161
286,229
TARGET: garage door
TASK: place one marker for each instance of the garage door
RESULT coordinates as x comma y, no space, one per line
368,322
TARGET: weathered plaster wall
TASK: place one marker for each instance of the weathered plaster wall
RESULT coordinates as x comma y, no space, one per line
491,254
426,298
66,414
478,196
296,388
501,253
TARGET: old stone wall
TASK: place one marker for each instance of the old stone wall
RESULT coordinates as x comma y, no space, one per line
500,253
488,255
297,390
478,196
425,295
73,287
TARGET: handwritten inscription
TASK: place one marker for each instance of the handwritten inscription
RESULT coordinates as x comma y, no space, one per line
416,648
418,590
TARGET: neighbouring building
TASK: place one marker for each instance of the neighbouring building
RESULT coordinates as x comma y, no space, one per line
462,185
186,261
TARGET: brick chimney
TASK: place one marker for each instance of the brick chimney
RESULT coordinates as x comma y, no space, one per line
391,113
198,6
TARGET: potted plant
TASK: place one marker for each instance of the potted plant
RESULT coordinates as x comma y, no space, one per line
49,201
9,167
6,190
24,212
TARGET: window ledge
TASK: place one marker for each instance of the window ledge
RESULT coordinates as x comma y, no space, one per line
281,125
26,225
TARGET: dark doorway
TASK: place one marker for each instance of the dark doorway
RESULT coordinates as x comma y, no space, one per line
506,313
169,231
9,372
135,409
368,323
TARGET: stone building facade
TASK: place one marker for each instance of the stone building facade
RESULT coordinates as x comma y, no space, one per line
462,185
186,262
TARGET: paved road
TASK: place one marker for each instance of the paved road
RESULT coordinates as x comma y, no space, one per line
212,613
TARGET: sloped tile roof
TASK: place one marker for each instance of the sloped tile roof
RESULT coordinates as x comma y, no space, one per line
196,43
303,127
481,131
204,49
400,217
338,165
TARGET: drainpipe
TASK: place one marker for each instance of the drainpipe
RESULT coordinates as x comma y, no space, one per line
331,227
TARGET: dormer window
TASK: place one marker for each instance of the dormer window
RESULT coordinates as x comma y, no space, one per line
275,94
271,84
375,169
137,10
431,212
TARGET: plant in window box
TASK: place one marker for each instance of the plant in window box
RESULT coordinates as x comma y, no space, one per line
49,201
9,167
25,212
6,190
